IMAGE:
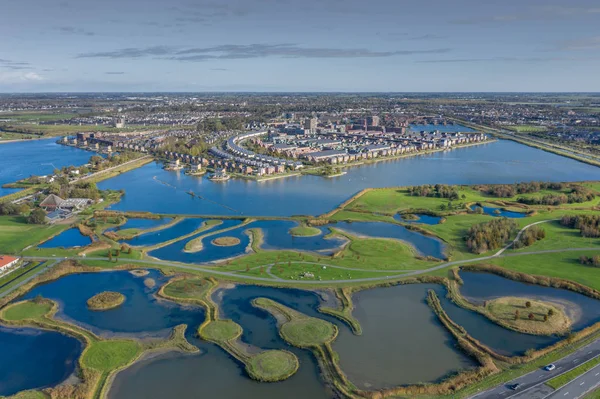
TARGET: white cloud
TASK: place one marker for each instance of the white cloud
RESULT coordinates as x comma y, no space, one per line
12,77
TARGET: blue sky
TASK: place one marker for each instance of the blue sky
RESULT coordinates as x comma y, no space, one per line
299,45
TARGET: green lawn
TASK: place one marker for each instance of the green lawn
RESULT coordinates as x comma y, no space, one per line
304,231
106,356
221,331
26,310
560,264
272,365
558,236
16,233
187,289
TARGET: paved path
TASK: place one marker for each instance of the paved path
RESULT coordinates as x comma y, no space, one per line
533,384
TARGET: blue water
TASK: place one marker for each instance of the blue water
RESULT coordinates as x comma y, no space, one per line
67,239
186,226
425,245
141,311
488,210
209,252
422,219
504,341
493,163
277,236
35,359
441,128
485,286
142,224
36,157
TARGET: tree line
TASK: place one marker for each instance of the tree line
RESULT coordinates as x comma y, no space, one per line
437,191
510,190
490,235
588,225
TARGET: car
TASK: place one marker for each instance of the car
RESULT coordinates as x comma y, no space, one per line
514,387
550,367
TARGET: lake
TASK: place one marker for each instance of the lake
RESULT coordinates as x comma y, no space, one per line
36,157
151,188
70,238
35,359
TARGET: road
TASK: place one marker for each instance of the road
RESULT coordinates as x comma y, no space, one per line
580,386
42,269
533,384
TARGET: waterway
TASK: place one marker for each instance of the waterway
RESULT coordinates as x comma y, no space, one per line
142,224
421,219
150,188
499,212
141,312
582,310
425,245
70,238
402,342
36,157
35,359
186,226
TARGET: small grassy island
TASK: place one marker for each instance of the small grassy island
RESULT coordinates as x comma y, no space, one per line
226,241
105,300
304,231
529,316
296,328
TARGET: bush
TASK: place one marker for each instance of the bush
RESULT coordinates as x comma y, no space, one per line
438,191
588,225
491,235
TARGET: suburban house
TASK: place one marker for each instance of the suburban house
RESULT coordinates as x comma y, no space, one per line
6,262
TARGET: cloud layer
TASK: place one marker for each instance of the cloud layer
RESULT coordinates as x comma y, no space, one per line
236,52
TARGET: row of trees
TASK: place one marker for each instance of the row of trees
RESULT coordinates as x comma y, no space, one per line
490,235
588,225
578,195
510,190
590,260
10,209
438,191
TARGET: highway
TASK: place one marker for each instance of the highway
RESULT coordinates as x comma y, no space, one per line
580,386
533,384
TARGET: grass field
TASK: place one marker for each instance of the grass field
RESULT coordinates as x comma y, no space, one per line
105,356
187,289
26,310
272,365
304,231
527,128
221,331
560,264
505,309
16,234
299,329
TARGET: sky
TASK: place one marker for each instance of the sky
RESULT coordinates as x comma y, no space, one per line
299,45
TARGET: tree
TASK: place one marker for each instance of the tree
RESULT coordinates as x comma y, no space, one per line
527,304
517,314
110,255
550,312
531,316
38,216
545,317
